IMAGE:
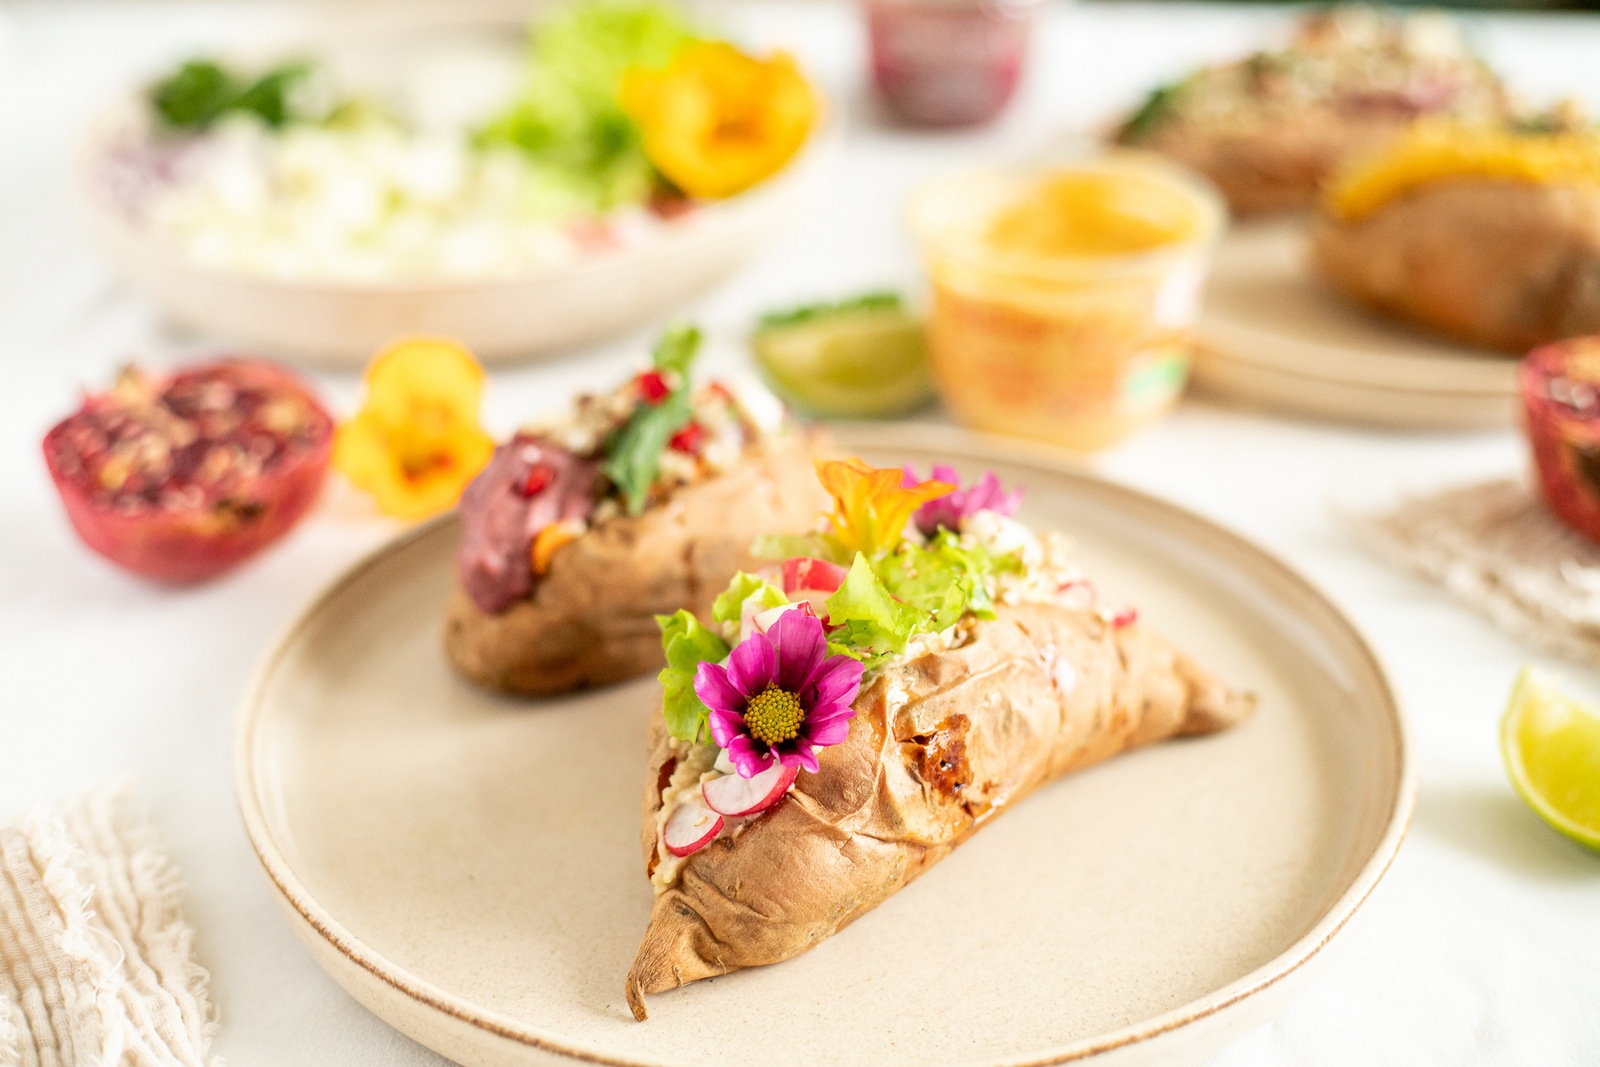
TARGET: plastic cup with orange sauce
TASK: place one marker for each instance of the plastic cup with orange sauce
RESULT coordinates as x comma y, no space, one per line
1064,296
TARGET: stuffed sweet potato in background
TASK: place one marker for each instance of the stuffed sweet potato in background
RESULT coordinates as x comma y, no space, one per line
939,745
591,619
1502,264
1269,128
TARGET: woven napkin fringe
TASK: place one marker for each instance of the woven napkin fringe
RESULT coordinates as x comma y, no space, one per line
96,967
1497,548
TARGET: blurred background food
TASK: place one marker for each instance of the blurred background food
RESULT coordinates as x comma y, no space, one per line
1270,127
524,190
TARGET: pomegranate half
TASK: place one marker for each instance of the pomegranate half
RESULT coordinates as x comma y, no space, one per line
180,478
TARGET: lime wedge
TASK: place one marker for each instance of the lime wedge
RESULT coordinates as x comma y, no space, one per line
1552,749
868,364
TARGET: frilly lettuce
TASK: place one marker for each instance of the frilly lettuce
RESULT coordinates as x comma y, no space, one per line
687,643
567,117
729,606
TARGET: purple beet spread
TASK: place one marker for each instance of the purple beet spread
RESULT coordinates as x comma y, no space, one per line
506,506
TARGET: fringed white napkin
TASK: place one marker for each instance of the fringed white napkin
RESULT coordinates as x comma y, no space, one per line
95,961
1499,549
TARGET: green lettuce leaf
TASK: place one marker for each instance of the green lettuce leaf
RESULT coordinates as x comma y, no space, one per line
687,644
567,117
942,579
789,546
730,604
865,618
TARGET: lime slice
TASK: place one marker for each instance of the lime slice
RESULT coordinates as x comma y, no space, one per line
869,364
1552,748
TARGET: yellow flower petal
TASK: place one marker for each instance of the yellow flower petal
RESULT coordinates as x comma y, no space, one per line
416,444
426,382
715,121
870,505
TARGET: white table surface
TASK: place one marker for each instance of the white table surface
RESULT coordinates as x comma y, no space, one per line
1482,946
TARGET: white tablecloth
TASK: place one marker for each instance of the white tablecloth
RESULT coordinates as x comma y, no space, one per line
1482,946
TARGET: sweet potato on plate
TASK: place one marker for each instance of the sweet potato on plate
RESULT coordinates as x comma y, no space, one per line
1505,264
590,619
939,746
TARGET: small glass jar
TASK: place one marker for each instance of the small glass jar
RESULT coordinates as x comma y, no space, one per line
1064,296
948,62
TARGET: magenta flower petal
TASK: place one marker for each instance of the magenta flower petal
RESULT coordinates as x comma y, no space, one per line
725,726
799,753
836,681
716,690
950,510
828,732
753,665
748,756
801,647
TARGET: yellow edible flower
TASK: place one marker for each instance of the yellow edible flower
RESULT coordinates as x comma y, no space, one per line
870,504
417,442
715,121
1436,151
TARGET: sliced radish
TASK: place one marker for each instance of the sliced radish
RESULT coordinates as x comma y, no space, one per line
755,619
806,572
814,599
733,795
690,828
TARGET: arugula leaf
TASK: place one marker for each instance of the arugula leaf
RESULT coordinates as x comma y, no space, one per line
633,454
729,606
202,91
687,644
676,349
865,618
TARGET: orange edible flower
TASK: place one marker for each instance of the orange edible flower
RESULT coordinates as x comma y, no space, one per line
870,504
416,443
715,121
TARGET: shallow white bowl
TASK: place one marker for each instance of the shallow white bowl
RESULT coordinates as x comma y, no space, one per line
536,314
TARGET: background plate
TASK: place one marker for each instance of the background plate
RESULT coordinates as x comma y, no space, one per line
467,866
1272,334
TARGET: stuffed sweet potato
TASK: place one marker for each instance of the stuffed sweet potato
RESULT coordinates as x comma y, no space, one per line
1269,128
1488,236
578,533
855,735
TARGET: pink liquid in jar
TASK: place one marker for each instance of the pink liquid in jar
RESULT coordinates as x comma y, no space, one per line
948,62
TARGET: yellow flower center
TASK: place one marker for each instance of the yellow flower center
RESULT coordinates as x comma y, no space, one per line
774,715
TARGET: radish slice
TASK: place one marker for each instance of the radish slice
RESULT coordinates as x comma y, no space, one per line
690,828
804,572
733,795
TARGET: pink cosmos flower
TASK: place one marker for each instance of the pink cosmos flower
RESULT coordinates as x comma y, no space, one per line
949,510
781,696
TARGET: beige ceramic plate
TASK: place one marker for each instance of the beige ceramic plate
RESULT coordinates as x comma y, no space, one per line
1272,334
467,866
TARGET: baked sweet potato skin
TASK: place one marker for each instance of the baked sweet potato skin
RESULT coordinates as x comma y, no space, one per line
591,619
1502,264
938,747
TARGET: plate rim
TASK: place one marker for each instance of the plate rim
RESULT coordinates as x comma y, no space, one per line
961,444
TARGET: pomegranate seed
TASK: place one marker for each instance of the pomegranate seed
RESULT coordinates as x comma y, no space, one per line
720,391
652,386
1125,617
539,476
689,439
